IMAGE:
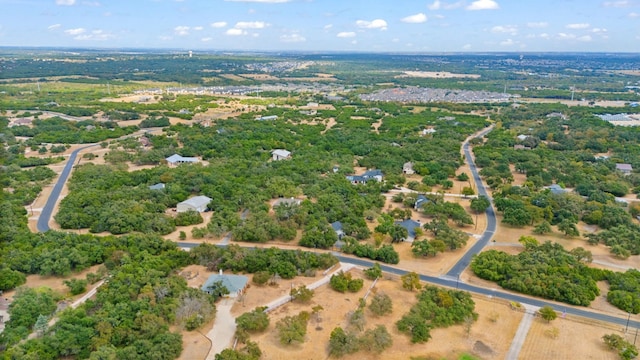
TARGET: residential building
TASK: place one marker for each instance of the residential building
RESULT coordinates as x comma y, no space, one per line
407,168
624,168
176,159
196,203
337,227
411,226
280,154
236,284
421,200
374,174
268,118
557,189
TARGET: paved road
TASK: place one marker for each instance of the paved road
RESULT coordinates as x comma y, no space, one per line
43,220
453,282
465,260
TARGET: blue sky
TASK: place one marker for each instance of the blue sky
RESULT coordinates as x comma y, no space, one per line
326,25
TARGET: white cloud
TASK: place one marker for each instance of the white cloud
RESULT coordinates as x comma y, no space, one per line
65,2
577,26
206,39
537,25
95,35
54,27
328,26
198,28
565,36
415,19
505,29
219,24
91,3
508,42
181,30
483,5
598,30
235,32
346,34
544,36
466,46
261,1
439,5
617,4
374,24
633,15
251,25
293,38
74,32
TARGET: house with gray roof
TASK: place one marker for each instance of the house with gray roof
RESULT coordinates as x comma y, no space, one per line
421,200
369,175
337,227
158,186
557,189
411,226
196,203
236,284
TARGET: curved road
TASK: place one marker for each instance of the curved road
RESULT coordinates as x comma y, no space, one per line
454,283
465,260
449,280
43,220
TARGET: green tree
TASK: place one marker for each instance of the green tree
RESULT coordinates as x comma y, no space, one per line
547,313
480,204
411,281
376,340
301,294
381,304
568,227
516,216
76,286
467,191
342,343
10,279
254,321
41,325
542,228
398,233
293,328
373,272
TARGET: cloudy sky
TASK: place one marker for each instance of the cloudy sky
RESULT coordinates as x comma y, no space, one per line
326,25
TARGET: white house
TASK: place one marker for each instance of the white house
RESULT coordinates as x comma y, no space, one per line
407,168
176,159
280,154
196,203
